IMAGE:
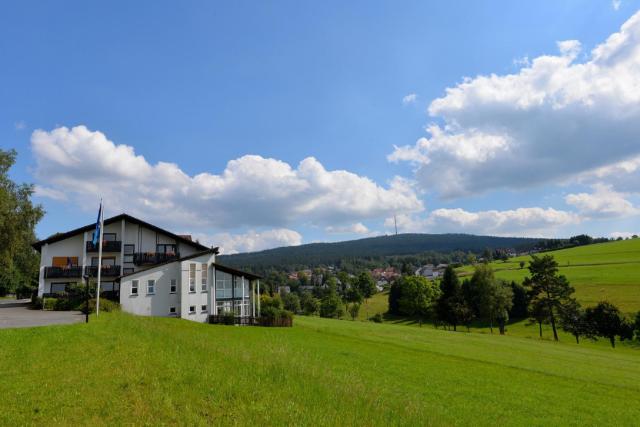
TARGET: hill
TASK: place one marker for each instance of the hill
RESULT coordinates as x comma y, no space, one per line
316,254
121,369
602,271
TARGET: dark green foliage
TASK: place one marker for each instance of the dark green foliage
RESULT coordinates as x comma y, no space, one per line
550,292
331,305
573,320
394,296
490,299
376,318
606,321
365,284
636,324
417,297
309,304
291,302
451,306
19,262
354,310
520,308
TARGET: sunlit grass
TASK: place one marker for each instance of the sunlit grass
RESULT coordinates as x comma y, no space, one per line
123,369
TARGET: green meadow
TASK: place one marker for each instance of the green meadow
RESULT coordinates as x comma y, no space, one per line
600,272
122,369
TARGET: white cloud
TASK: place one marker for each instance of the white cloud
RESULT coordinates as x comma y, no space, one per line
356,228
616,4
529,222
550,121
252,241
49,193
623,234
251,191
409,99
602,203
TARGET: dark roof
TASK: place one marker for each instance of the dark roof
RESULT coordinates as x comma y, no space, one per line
61,236
235,272
184,258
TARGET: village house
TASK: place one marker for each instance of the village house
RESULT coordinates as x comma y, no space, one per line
148,270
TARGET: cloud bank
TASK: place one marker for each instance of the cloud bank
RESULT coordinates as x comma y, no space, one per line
553,120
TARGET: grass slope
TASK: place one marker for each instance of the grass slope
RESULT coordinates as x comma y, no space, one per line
604,271
123,369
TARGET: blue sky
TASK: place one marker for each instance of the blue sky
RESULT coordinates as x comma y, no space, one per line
266,85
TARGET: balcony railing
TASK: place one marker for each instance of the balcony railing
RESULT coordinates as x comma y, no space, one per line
107,246
145,258
106,271
62,272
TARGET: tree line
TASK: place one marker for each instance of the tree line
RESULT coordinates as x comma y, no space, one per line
545,297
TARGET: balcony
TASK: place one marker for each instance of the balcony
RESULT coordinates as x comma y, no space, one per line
62,272
107,246
149,258
106,271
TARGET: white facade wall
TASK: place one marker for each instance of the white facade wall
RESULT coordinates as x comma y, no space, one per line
161,300
143,239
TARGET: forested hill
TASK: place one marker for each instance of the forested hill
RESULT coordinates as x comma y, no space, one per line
315,254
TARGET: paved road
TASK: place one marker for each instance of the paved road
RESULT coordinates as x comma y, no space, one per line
16,314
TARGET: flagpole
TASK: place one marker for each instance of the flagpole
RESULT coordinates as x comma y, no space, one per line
99,258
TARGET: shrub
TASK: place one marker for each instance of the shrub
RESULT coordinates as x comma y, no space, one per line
376,318
267,301
50,303
105,305
291,302
310,304
228,318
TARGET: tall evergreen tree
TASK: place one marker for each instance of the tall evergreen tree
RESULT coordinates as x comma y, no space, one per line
448,307
550,292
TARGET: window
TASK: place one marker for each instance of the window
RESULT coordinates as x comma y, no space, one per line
134,287
173,287
58,287
204,274
224,307
106,237
224,285
172,310
166,249
203,308
151,287
128,253
192,309
106,261
108,287
192,277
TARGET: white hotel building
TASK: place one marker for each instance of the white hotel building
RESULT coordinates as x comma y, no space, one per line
149,270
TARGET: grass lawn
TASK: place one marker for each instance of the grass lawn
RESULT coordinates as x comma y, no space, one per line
123,369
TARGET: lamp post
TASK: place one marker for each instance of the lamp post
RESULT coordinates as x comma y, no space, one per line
86,296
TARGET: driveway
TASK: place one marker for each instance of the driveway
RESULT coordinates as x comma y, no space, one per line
17,314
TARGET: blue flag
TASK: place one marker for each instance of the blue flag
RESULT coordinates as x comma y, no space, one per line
96,234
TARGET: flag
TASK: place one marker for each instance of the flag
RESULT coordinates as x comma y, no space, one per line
96,234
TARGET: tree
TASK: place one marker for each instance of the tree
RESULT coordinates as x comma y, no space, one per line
520,307
331,305
19,262
487,255
395,291
522,264
447,306
365,284
291,302
605,320
354,310
636,326
549,291
501,303
573,321
417,297
309,304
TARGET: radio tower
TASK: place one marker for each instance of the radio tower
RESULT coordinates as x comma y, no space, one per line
395,223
